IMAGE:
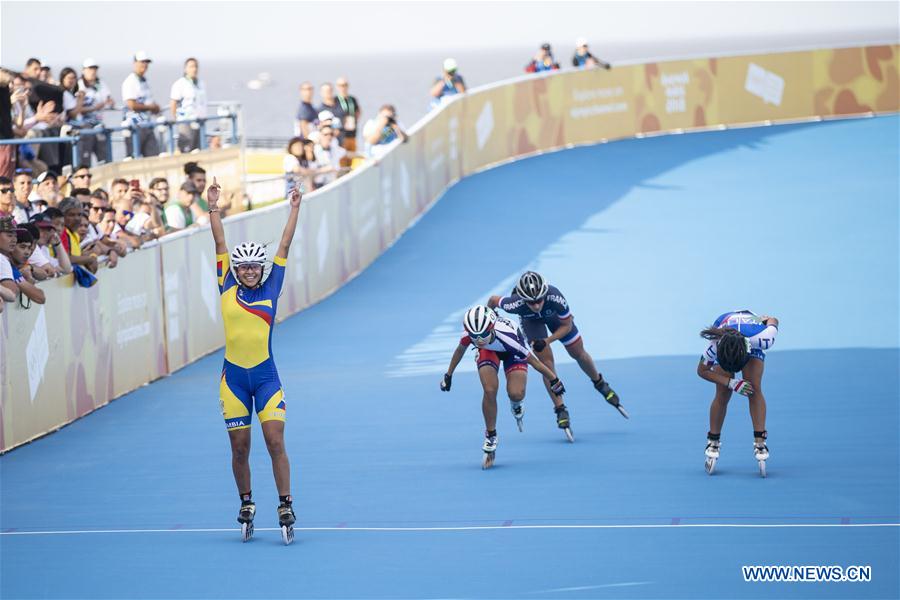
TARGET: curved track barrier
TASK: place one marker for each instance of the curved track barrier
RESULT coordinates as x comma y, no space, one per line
142,321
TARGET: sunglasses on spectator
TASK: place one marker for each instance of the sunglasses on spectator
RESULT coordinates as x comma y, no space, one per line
5,190
128,213
96,208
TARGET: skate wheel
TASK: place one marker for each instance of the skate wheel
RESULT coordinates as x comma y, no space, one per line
246,531
287,534
488,461
710,465
569,435
762,468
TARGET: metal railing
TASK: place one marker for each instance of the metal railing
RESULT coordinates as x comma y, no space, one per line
130,131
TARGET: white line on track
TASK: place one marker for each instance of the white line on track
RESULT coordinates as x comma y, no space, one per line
474,528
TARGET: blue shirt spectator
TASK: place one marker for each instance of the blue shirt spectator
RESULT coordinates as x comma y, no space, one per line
449,83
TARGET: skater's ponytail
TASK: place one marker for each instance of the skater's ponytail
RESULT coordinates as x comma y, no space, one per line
732,348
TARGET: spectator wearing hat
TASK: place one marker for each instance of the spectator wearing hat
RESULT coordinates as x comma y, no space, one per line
448,84
187,100
178,213
49,253
9,291
140,106
97,98
328,157
47,189
543,61
583,59
71,241
350,110
306,113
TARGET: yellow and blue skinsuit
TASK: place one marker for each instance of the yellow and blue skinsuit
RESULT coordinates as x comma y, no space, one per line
249,377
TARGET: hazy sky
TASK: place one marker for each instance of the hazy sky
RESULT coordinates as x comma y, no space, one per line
169,31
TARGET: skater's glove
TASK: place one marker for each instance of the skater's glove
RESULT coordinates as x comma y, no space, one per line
539,344
557,387
446,381
741,386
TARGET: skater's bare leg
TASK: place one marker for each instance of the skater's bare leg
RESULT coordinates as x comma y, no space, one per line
753,372
585,361
719,405
515,385
273,431
240,458
490,383
546,357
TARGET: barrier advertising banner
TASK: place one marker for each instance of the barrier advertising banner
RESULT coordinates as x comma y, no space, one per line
159,309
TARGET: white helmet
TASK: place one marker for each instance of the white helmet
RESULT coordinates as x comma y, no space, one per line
532,286
248,253
479,320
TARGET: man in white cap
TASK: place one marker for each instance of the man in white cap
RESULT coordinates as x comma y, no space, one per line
140,106
96,99
583,59
448,84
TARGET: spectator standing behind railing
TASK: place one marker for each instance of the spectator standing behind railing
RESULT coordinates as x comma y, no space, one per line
350,109
71,241
23,272
30,121
9,291
7,153
300,166
187,100
22,187
328,157
334,108
159,195
40,263
306,113
140,107
381,131
583,59
97,98
47,189
448,84
543,61
9,207
178,213
49,252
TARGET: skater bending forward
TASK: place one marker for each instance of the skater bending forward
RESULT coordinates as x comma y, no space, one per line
498,340
737,344
542,307
249,381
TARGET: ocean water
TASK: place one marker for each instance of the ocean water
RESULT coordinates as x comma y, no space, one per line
403,79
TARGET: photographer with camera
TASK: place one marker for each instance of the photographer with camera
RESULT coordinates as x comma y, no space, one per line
449,83
382,131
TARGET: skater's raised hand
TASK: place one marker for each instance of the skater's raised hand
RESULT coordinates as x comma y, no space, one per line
212,195
295,197
557,387
741,386
446,380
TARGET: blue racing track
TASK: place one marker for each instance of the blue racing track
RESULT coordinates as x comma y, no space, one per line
650,240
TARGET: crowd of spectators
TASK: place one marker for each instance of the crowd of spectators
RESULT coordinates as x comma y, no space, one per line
52,226
41,106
